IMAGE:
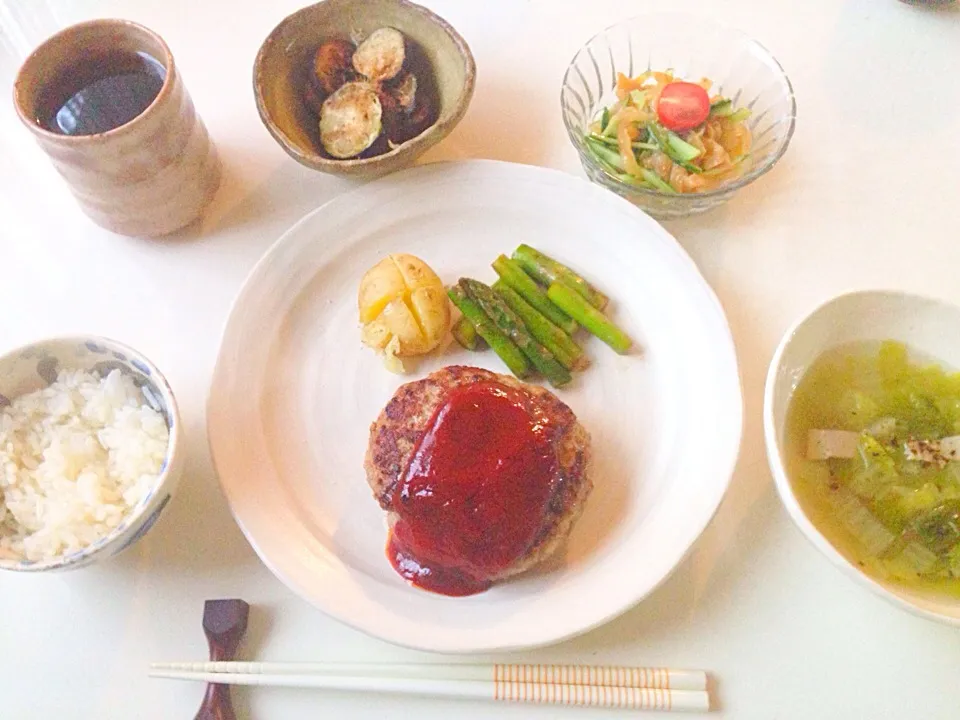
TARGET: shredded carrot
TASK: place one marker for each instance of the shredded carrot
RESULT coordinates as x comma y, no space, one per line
653,95
625,84
633,115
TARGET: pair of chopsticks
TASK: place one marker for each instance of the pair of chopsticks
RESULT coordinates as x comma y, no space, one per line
634,688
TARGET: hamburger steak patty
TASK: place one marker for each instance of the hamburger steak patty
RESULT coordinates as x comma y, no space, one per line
396,432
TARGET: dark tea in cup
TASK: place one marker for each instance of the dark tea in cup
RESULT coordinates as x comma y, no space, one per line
100,92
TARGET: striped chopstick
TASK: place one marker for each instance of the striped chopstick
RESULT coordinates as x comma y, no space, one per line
594,686
600,675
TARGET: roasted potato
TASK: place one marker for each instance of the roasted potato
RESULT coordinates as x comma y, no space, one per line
401,300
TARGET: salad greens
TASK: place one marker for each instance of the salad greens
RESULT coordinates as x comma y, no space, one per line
668,135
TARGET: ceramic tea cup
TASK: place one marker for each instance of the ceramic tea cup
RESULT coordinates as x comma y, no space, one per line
106,103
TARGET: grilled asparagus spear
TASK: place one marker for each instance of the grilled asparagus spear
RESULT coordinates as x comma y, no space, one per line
499,343
466,334
564,349
514,276
592,319
547,271
509,323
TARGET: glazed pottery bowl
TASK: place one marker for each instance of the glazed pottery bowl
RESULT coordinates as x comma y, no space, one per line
281,75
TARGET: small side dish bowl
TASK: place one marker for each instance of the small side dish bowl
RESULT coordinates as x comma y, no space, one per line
281,76
693,47
926,325
36,366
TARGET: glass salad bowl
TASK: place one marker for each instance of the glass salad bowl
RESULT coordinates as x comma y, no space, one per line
692,48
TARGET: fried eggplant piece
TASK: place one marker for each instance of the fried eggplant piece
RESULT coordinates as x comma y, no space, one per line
380,57
350,120
332,65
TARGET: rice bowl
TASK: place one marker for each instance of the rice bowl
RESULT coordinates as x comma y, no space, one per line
88,433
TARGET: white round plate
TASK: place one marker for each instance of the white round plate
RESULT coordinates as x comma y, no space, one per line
294,393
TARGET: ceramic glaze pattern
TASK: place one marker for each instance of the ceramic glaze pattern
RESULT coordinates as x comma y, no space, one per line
37,366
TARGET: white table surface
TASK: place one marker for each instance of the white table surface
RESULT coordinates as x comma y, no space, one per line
867,196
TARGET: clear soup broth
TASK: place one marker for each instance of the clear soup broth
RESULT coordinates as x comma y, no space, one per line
873,453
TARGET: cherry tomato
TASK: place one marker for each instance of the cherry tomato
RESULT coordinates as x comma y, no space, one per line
683,106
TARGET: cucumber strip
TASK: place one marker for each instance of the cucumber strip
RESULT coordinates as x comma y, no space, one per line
612,126
605,154
612,143
740,115
635,181
604,119
657,182
737,161
675,147
684,152
609,142
721,108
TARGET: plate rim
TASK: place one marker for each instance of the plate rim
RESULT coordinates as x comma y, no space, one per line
662,235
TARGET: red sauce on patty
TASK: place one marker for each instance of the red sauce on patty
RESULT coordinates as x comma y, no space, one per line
473,498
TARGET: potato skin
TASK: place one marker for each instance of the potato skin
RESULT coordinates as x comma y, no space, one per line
379,285
433,309
400,322
402,297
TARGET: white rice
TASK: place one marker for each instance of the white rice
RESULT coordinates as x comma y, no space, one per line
74,458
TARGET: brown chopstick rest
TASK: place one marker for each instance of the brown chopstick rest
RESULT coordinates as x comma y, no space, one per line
224,623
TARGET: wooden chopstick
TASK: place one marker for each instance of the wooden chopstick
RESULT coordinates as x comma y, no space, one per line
613,687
